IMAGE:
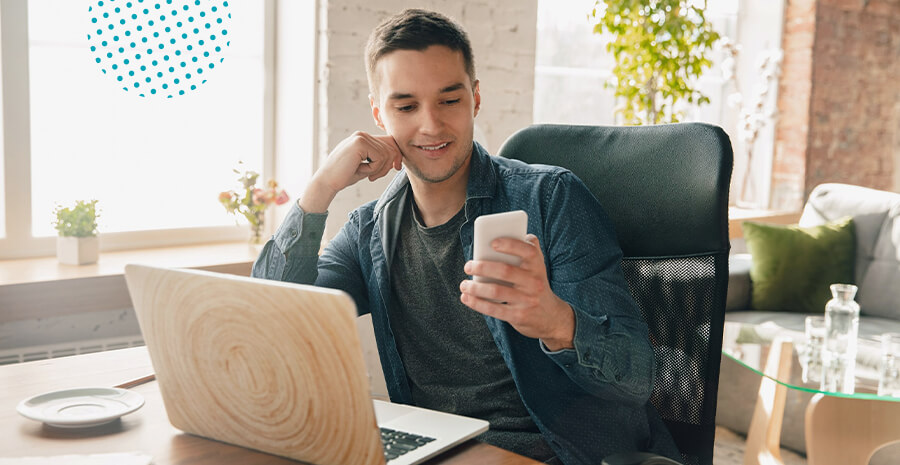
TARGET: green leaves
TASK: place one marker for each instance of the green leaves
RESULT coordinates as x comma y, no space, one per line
660,50
78,221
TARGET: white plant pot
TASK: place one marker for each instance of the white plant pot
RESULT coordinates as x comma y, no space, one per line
77,250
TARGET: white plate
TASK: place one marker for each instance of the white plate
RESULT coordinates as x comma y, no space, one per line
80,408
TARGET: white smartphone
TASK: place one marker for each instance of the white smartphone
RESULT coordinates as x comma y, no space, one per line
489,227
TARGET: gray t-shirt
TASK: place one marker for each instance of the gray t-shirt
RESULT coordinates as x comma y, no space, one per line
451,359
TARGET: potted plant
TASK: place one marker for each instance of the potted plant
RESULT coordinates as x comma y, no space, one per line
77,227
661,48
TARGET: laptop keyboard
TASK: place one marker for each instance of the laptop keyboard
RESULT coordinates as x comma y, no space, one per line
397,443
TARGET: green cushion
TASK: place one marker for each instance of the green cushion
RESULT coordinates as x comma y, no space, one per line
793,267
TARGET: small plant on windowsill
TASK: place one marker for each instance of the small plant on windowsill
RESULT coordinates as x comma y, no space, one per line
252,202
77,242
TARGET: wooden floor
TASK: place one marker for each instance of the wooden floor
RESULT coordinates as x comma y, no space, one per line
729,450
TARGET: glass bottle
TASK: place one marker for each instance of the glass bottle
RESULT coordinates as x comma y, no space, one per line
841,329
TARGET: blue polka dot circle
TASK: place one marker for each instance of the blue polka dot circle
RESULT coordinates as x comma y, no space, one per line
158,48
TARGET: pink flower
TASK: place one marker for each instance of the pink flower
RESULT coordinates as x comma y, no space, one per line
259,197
270,196
282,198
224,196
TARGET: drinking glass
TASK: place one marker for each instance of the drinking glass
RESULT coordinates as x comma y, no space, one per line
889,371
811,356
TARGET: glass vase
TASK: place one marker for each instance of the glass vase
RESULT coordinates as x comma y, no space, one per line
841,329
256,234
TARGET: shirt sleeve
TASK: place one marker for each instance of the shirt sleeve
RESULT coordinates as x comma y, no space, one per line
292,255
612,356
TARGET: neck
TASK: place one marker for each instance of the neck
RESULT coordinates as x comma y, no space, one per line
438,202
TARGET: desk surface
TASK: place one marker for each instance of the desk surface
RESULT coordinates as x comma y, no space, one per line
147,430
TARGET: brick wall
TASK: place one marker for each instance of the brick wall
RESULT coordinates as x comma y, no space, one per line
794,91
503,36
839,98
853,118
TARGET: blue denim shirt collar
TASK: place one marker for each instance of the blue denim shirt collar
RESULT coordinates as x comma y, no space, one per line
483,175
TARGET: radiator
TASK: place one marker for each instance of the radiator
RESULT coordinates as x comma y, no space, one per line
32,353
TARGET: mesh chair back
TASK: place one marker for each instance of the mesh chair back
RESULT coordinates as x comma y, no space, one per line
666,190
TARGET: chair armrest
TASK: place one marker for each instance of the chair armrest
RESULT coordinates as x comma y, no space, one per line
638,458
738,282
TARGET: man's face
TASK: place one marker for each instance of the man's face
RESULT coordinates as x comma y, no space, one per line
426,102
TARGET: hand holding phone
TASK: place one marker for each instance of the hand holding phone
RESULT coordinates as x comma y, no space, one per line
533,310
512,224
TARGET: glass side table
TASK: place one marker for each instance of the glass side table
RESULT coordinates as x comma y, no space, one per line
841,429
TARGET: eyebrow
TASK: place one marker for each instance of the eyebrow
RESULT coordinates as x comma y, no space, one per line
451,88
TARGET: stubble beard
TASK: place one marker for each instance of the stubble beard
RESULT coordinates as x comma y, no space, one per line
457,164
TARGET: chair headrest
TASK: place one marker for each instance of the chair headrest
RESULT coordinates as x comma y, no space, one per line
665,187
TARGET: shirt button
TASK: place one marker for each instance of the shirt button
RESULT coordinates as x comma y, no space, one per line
293,233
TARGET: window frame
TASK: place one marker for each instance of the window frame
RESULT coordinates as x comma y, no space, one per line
18,241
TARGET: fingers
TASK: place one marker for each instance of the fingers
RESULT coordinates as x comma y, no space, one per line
374,169
519,276
396,157
377,155
528,249
499,293
387,151
530,272
501,311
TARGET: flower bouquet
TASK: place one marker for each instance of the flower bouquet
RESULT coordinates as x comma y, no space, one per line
252,201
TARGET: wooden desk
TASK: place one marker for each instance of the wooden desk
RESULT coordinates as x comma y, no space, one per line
148,430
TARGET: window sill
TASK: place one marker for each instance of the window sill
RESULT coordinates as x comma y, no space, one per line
41,287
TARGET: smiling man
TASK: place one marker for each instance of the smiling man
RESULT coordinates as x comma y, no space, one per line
563,368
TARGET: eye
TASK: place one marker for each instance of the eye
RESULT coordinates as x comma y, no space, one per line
406,108
452,102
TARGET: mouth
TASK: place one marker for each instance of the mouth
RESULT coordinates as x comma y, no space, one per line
434,147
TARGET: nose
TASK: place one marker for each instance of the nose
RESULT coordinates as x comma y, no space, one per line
430,122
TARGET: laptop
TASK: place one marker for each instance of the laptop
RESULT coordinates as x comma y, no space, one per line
276,367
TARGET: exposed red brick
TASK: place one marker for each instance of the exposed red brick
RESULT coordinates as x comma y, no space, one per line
838,97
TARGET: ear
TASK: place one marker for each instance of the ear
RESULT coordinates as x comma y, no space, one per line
376,113
476,93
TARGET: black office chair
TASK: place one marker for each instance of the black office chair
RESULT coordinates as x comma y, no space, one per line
666,190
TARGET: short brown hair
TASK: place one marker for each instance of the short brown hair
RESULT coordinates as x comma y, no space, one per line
416,29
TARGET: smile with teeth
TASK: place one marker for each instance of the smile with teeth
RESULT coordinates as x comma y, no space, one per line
433,147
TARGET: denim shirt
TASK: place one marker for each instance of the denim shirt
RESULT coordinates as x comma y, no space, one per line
588,402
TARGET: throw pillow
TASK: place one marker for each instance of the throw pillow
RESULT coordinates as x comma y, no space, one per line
793,267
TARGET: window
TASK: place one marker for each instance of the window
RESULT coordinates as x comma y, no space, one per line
155,164
2,161
572,65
